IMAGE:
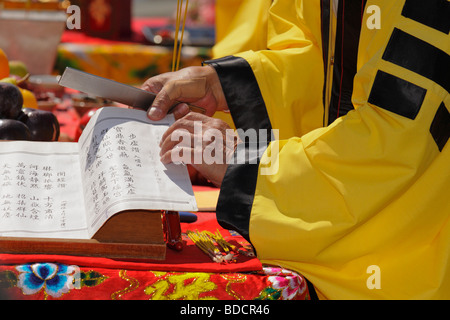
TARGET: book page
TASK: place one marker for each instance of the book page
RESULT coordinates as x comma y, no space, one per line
40,191
121,167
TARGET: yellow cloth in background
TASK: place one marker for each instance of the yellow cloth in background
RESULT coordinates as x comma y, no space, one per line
127,63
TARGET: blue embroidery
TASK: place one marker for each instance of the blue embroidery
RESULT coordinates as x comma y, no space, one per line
54,279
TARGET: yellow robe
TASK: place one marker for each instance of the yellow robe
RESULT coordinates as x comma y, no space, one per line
241,25
361,207
273,38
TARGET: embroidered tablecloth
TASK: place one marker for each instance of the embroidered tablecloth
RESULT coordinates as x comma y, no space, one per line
50,281
189,275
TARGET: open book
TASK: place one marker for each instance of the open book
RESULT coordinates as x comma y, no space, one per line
65,190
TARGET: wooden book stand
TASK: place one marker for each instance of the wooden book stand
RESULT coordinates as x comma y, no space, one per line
126,235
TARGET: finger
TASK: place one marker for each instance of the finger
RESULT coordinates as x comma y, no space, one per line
176,90
176,127
166,157
178,155
196,116
180,111
153,85
180,138
160,106
181,124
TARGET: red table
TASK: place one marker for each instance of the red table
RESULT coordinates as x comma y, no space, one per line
189,274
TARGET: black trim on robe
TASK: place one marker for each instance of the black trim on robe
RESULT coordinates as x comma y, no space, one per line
242,93
248,111
440,127
396,95
424,12
325,30
237,194
419,56
348,30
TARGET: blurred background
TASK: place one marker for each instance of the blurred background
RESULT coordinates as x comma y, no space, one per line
154,8
127,41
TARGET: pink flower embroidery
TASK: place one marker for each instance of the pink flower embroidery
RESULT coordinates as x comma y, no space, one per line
290,283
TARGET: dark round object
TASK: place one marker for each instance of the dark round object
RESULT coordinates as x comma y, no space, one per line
13,130
11,101
43,125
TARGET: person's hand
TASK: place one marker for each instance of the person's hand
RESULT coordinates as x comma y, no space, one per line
199,86
205,143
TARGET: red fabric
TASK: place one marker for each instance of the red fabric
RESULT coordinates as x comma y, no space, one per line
74,36
190,258
120,284
186,275
69,121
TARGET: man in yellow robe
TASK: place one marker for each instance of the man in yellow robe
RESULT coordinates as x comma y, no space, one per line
358,207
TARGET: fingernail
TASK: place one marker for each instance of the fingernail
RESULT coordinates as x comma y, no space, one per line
164,159
184,108
154,113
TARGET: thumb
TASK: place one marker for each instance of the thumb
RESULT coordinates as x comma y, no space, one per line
160,106
176,91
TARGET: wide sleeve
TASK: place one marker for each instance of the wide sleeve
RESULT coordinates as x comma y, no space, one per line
288,74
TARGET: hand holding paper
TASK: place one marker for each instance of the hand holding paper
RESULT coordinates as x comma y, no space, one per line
199,86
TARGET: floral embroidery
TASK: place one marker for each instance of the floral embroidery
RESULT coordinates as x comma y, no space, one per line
186,286
57,281
54,279
285,284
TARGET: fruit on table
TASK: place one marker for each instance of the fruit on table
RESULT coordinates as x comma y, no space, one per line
19,117
14,130
4,65
29,99
11,101
11,80
43,125
18,68
21,82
